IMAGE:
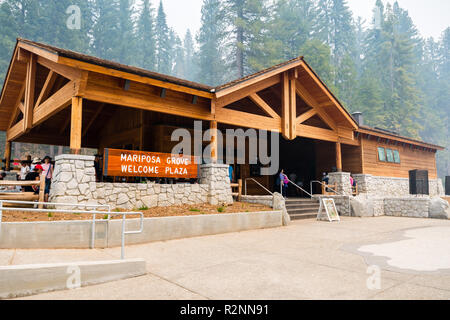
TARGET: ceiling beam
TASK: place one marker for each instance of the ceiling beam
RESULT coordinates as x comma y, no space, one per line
306,116
93,119
30,93
48,85
264,106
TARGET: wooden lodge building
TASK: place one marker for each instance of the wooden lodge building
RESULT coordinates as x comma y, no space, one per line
59,97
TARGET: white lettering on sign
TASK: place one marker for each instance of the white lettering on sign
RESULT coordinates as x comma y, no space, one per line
140,158
176,171
178,161
140,169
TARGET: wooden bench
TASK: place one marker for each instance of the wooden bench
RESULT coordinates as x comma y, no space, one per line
237,186
23,196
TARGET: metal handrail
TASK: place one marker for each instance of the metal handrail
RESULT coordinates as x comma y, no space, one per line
309,194
93,212
326,186
323,184
271,193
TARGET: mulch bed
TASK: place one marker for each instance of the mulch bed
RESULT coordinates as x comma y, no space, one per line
185,210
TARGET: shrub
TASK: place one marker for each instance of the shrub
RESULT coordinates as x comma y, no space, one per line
143,208
50,215
105,217
194,210
221,209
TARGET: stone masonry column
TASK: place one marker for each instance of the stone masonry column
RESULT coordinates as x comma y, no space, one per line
74,180
342,182
216,176
364,182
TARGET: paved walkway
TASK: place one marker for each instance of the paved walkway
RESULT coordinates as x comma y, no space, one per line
307,260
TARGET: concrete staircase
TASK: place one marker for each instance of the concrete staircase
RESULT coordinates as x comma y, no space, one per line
302,208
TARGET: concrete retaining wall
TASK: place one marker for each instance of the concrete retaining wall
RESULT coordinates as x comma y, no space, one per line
19,281
263,200
77,234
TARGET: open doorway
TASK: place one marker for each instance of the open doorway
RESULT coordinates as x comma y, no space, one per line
298,159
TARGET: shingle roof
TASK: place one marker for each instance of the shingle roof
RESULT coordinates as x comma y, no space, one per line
384,132
254,75
117,66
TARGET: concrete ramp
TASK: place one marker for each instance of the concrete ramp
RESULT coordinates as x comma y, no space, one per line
24,280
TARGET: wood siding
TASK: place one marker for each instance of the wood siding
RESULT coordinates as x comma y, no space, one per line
410,159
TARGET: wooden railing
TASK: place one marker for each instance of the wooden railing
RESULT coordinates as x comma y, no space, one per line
328,189
237,186
23,196
355,191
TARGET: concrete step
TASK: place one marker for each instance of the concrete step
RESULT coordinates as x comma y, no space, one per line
303,206
302,216
302,211
300,202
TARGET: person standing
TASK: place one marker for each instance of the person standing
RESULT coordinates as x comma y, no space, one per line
24,170
35,162
48,174
284,181
230,172
34,175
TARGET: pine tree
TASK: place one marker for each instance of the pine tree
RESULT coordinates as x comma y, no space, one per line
246,20
126,32
7,38
179,57
336,28
211,65
292,25
106,32
56,28
317,55
146,46
163,45
189,57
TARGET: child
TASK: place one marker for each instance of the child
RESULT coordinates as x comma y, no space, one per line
24,170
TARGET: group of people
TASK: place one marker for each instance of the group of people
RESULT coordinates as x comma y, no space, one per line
326,179
283,181
32,170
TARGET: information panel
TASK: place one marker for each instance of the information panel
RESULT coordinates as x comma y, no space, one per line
125,163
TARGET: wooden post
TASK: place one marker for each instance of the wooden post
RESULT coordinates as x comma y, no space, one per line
292,108
41,191
76,125
8,146
213,128
285,117
141,130
30,93
240,190
338,157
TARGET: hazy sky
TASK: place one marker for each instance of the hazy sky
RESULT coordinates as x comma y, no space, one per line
430,16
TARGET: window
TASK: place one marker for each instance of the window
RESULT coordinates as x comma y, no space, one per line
396,156
389,155
381,154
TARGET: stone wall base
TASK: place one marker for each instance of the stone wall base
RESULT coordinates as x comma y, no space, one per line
392,187
411,206
74,182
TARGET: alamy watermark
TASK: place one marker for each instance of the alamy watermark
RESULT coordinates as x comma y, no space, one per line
374,280
234,143
74,20
74,280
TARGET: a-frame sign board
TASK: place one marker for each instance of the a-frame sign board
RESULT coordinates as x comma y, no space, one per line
331,214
